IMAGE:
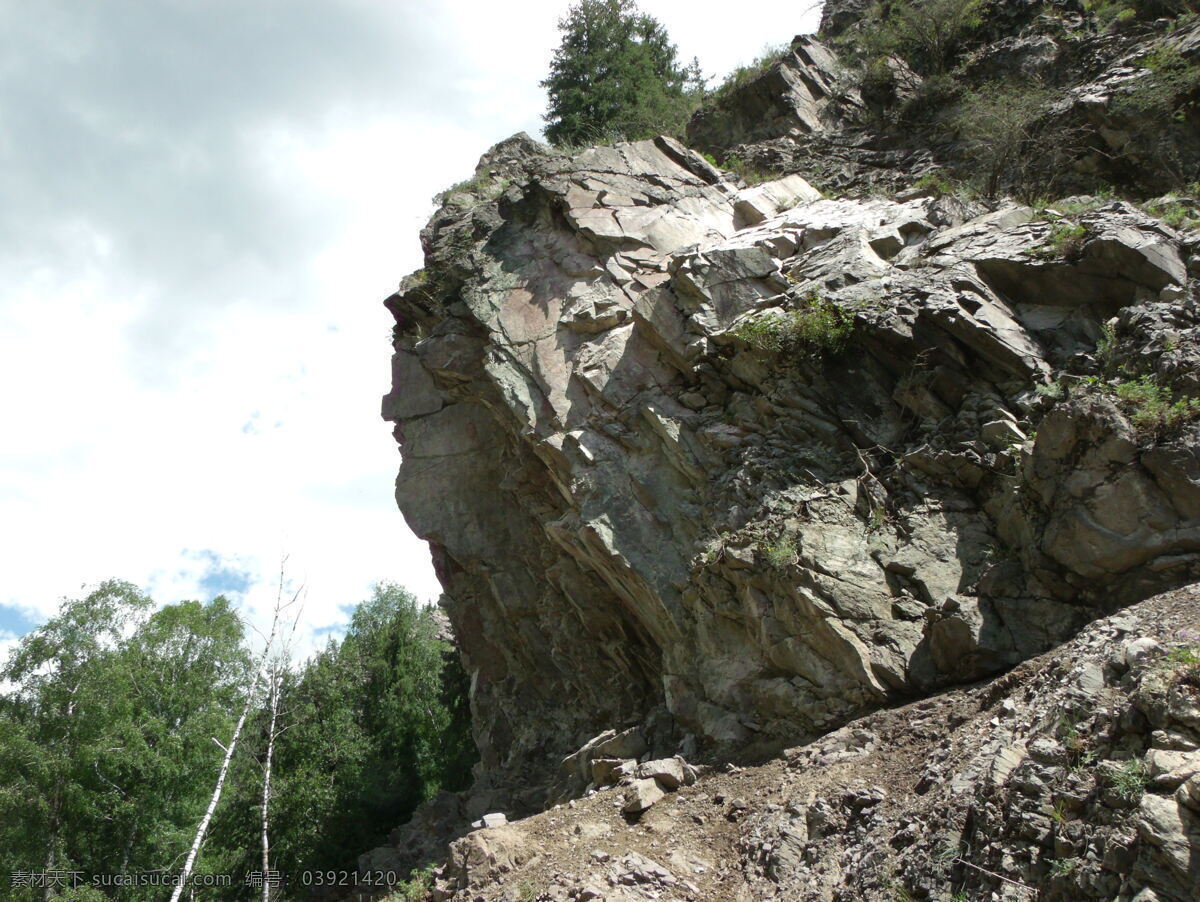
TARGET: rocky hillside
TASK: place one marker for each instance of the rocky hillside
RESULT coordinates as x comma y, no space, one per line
1076,776
711,469
1040,99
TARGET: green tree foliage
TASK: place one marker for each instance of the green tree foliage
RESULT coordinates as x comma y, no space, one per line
1122,11
616,76
106,736
187,672
372,727
928,34
107,758
999,123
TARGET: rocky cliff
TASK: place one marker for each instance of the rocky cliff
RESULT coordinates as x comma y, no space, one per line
720,467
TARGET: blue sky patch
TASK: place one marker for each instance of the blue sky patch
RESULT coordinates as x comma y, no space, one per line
220,576
15,620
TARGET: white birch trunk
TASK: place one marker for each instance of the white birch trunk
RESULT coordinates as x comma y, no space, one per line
266,788
259,667
190,862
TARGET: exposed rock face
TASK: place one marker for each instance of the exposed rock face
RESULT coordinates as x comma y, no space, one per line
738,464
814,113
1072,778
800,92
838,15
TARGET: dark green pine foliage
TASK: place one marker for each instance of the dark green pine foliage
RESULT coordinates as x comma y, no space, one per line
616,76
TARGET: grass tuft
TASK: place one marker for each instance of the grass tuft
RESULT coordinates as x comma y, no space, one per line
1065,242
818,329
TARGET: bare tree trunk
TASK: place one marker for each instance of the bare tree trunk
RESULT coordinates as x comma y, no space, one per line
128,849
55,823
190,862
259,667
266,787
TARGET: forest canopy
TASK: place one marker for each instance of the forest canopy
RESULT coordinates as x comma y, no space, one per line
117,714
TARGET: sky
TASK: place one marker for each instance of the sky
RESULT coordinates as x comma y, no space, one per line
203,204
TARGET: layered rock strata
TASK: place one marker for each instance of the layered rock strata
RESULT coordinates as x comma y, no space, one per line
736,464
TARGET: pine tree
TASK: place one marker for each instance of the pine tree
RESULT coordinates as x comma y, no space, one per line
616,76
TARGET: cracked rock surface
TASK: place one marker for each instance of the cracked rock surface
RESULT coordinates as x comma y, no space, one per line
896,490
734,465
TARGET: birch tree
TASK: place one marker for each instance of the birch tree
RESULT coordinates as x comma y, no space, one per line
56,715
274,730
366,730
281,607
265,807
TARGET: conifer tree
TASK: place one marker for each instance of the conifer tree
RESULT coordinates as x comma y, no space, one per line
616,76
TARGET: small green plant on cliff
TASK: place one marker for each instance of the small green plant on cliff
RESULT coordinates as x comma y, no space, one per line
415,889
942,185
1074,742
878,518
1065,242
1059,812
481,186
928,34
1063,867
1055,391
1151,408
1130,780
934,181
1183,665
743,75
1120,12
751,173
819,328
766,333
1106,12
1106,347
1101,195
1188,656
1170,88
780,555
1179,216
899,891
